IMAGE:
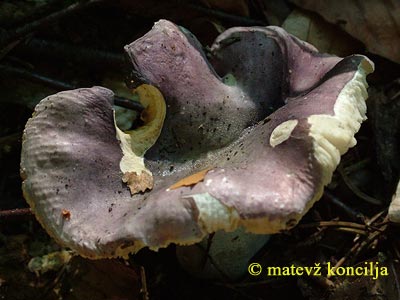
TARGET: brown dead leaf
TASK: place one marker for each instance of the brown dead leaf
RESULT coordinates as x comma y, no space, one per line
190,180
327,38
275,11
375,23
104,279
138,183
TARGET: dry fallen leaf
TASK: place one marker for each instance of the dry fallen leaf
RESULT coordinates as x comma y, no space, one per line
190,180
312,28
138,183
102,279
375,23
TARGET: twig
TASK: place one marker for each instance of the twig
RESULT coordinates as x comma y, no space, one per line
341,261
312,239
376,217
351,230
227,17
359,247
6,49
336,224
143,280
25,30
355,215
71,53
53,284
323,281
59,85
320,280
11,213
396,277
35,77
33,14
127,103
365,243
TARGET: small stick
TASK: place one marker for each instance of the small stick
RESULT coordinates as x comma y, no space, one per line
376,217
323,281
359,247
143,280
341,261
25,30
56,50
53,284
227,17
396,277
320,280
355,215
336,224
368,241
59,85
312,239
352,230
10,213
36,13
129,104
35,77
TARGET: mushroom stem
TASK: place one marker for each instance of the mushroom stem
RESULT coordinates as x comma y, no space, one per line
226,257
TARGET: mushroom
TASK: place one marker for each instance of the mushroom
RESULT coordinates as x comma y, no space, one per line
222,161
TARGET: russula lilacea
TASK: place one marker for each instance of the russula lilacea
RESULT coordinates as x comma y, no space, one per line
222,161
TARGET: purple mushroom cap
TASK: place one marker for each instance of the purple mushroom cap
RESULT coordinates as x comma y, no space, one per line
261,170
